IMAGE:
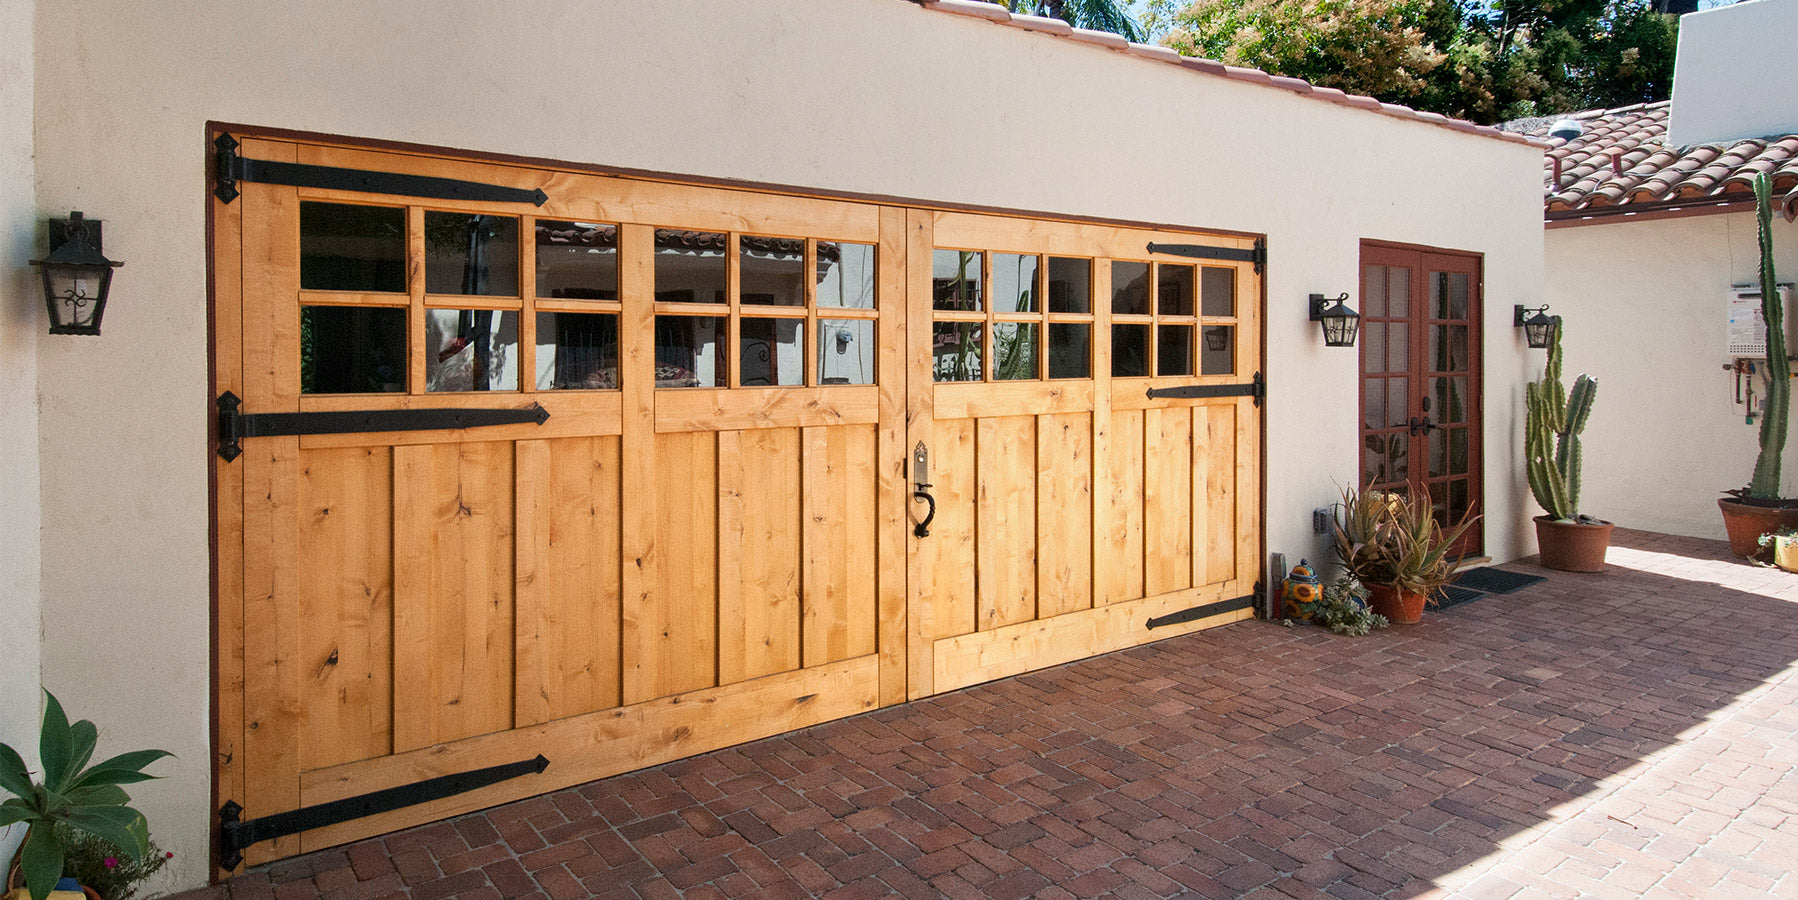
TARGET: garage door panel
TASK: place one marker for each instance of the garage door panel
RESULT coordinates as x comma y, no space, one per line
568,578
1005,461
840,531
1167,500
676,626
345,537
1121,537
1064,513
1216,430
759,553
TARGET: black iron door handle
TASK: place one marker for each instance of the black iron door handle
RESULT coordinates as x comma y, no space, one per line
923,493
1422,425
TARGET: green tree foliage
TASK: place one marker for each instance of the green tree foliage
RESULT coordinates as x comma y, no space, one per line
1099,15
1487,62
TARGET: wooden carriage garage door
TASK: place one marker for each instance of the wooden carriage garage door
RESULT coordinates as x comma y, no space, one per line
672,507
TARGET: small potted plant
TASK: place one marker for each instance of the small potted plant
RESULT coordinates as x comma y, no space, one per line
74,795
1344,610
106,870
1782,545
1393,544
1568,539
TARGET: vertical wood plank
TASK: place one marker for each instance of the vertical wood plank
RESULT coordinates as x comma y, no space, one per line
1064,496
1108,522
892,561
1005,449
1122,540
345,603
568,578
1201,488
841,567
681,648
952,535
228,518
1223,498
759,529
1167,500
637,459
923,555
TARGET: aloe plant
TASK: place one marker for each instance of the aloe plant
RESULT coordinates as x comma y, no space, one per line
72,794
1776,411
1387,538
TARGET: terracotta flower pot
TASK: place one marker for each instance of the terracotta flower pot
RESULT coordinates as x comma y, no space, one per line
1572,547
1746,522
1399,607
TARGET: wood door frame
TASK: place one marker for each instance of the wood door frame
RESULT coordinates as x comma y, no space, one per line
1418,257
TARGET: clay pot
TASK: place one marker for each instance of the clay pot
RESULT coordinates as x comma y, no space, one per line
1399,607
1746,522
1572,547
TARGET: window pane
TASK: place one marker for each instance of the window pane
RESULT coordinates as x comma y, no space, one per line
1174,290
577,351
352,349
689,266
352,248
1014,351
773,352
471,350
1398,347
846,275
1070,285
956,355
1448,295
771,271
1173,350
1217,292
1218,355
1373,398
1373,291
471,254
1014,283
1398,292
690,351
578,260
955,278
1070,349
1373,346
1129,350
1130,288
846,351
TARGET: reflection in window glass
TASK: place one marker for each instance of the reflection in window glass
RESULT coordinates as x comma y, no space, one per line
1173,350
1174,290
1014,351
1218,357
352,349
955,354
577,351
1129,351
955,279
773,352
1070,285
1130,288
1070,350
471,254
1014,283
1217,292
690,351
846,275
352,248
577,260
846,351
471,350
771,271
689,266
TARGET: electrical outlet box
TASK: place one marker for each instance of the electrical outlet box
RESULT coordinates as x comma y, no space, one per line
1321,520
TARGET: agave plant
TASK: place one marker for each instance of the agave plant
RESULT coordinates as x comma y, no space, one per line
1390,538
72,794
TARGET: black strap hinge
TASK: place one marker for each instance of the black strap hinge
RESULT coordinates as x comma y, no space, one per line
1203,611
1256,254
234,426
230,168
237,833
1256,388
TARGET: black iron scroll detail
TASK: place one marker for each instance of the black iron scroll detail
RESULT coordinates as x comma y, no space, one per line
1256,388
237,834
230,168
1205,611
1256,254
234,426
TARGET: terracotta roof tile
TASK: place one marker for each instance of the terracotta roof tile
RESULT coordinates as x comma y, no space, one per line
996,13
1622,162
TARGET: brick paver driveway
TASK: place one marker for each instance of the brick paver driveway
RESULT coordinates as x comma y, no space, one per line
1626,734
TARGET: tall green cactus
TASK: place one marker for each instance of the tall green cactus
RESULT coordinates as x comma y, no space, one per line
1551,441
1777,409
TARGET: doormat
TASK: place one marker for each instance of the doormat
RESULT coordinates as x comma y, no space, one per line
1450,595
1495,581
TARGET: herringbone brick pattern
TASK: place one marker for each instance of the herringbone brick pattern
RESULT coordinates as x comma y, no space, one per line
1625,734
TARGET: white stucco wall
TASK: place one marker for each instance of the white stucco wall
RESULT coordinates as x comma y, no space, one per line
1731,64
855,95
20,318
1644,305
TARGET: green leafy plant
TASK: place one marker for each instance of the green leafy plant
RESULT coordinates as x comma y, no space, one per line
73,794
1344,609
106,867
1552,452
1397,539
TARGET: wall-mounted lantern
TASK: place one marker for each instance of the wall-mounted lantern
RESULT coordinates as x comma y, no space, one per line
1339,323
76,276
1538,326
1217,338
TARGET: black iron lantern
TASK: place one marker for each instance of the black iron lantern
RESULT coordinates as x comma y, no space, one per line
1538,327
1339,323
76,276
1217,338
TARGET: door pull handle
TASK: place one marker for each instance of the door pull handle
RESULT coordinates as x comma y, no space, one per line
923,493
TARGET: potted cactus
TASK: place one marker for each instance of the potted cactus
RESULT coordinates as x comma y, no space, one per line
1570,540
